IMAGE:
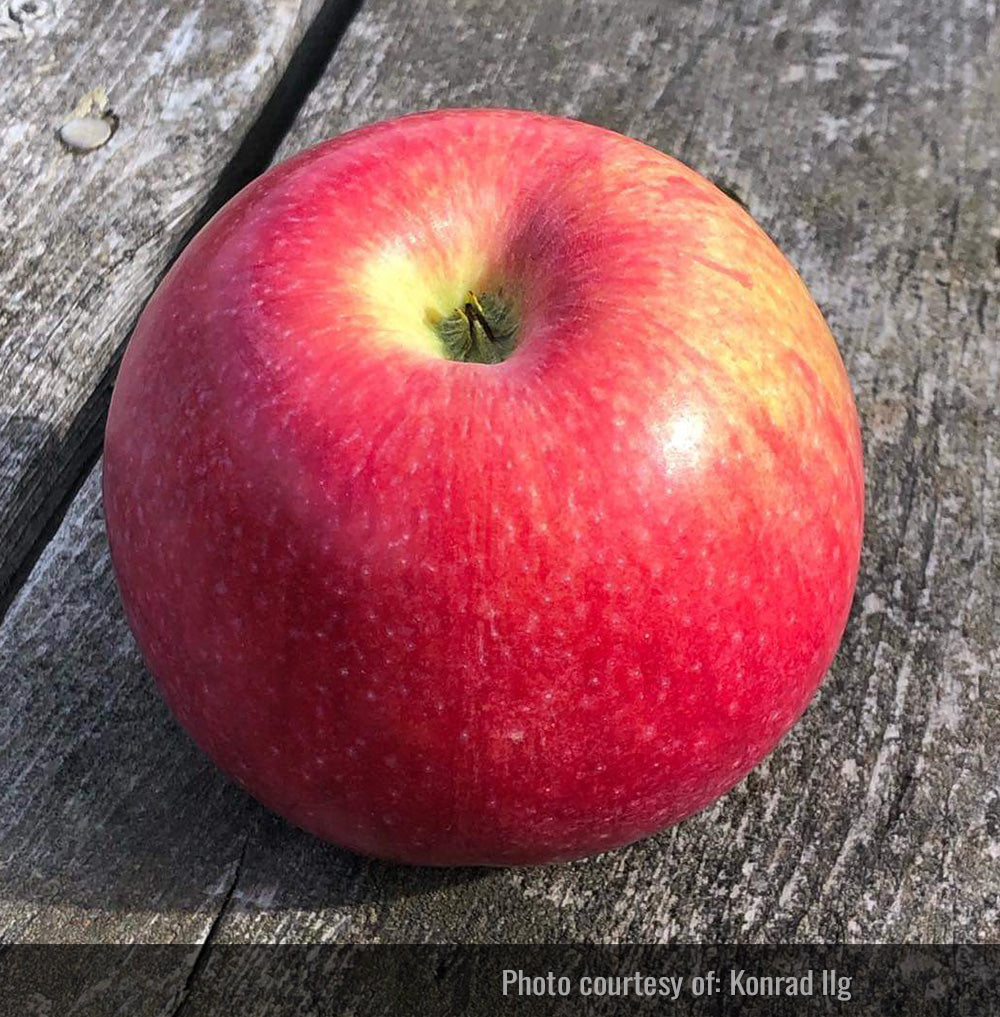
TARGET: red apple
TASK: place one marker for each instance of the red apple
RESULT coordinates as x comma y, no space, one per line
484,488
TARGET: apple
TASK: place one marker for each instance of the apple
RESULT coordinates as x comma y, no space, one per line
484,488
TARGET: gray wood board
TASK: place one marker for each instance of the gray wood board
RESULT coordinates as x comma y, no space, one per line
85,236
862,138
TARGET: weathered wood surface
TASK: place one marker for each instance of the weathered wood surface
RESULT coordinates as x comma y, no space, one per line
863,138
85,236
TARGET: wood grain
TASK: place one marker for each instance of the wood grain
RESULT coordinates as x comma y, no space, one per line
862,138
84,237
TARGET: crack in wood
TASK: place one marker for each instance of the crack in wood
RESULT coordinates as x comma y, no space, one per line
201,958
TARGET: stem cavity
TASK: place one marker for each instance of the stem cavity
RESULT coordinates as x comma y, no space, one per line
483,330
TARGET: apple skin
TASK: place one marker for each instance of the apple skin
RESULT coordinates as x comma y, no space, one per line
459,613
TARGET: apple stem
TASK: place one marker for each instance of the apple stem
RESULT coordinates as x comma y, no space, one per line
474,313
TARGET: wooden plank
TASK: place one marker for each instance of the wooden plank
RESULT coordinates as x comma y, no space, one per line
861,138
93,770
85,236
